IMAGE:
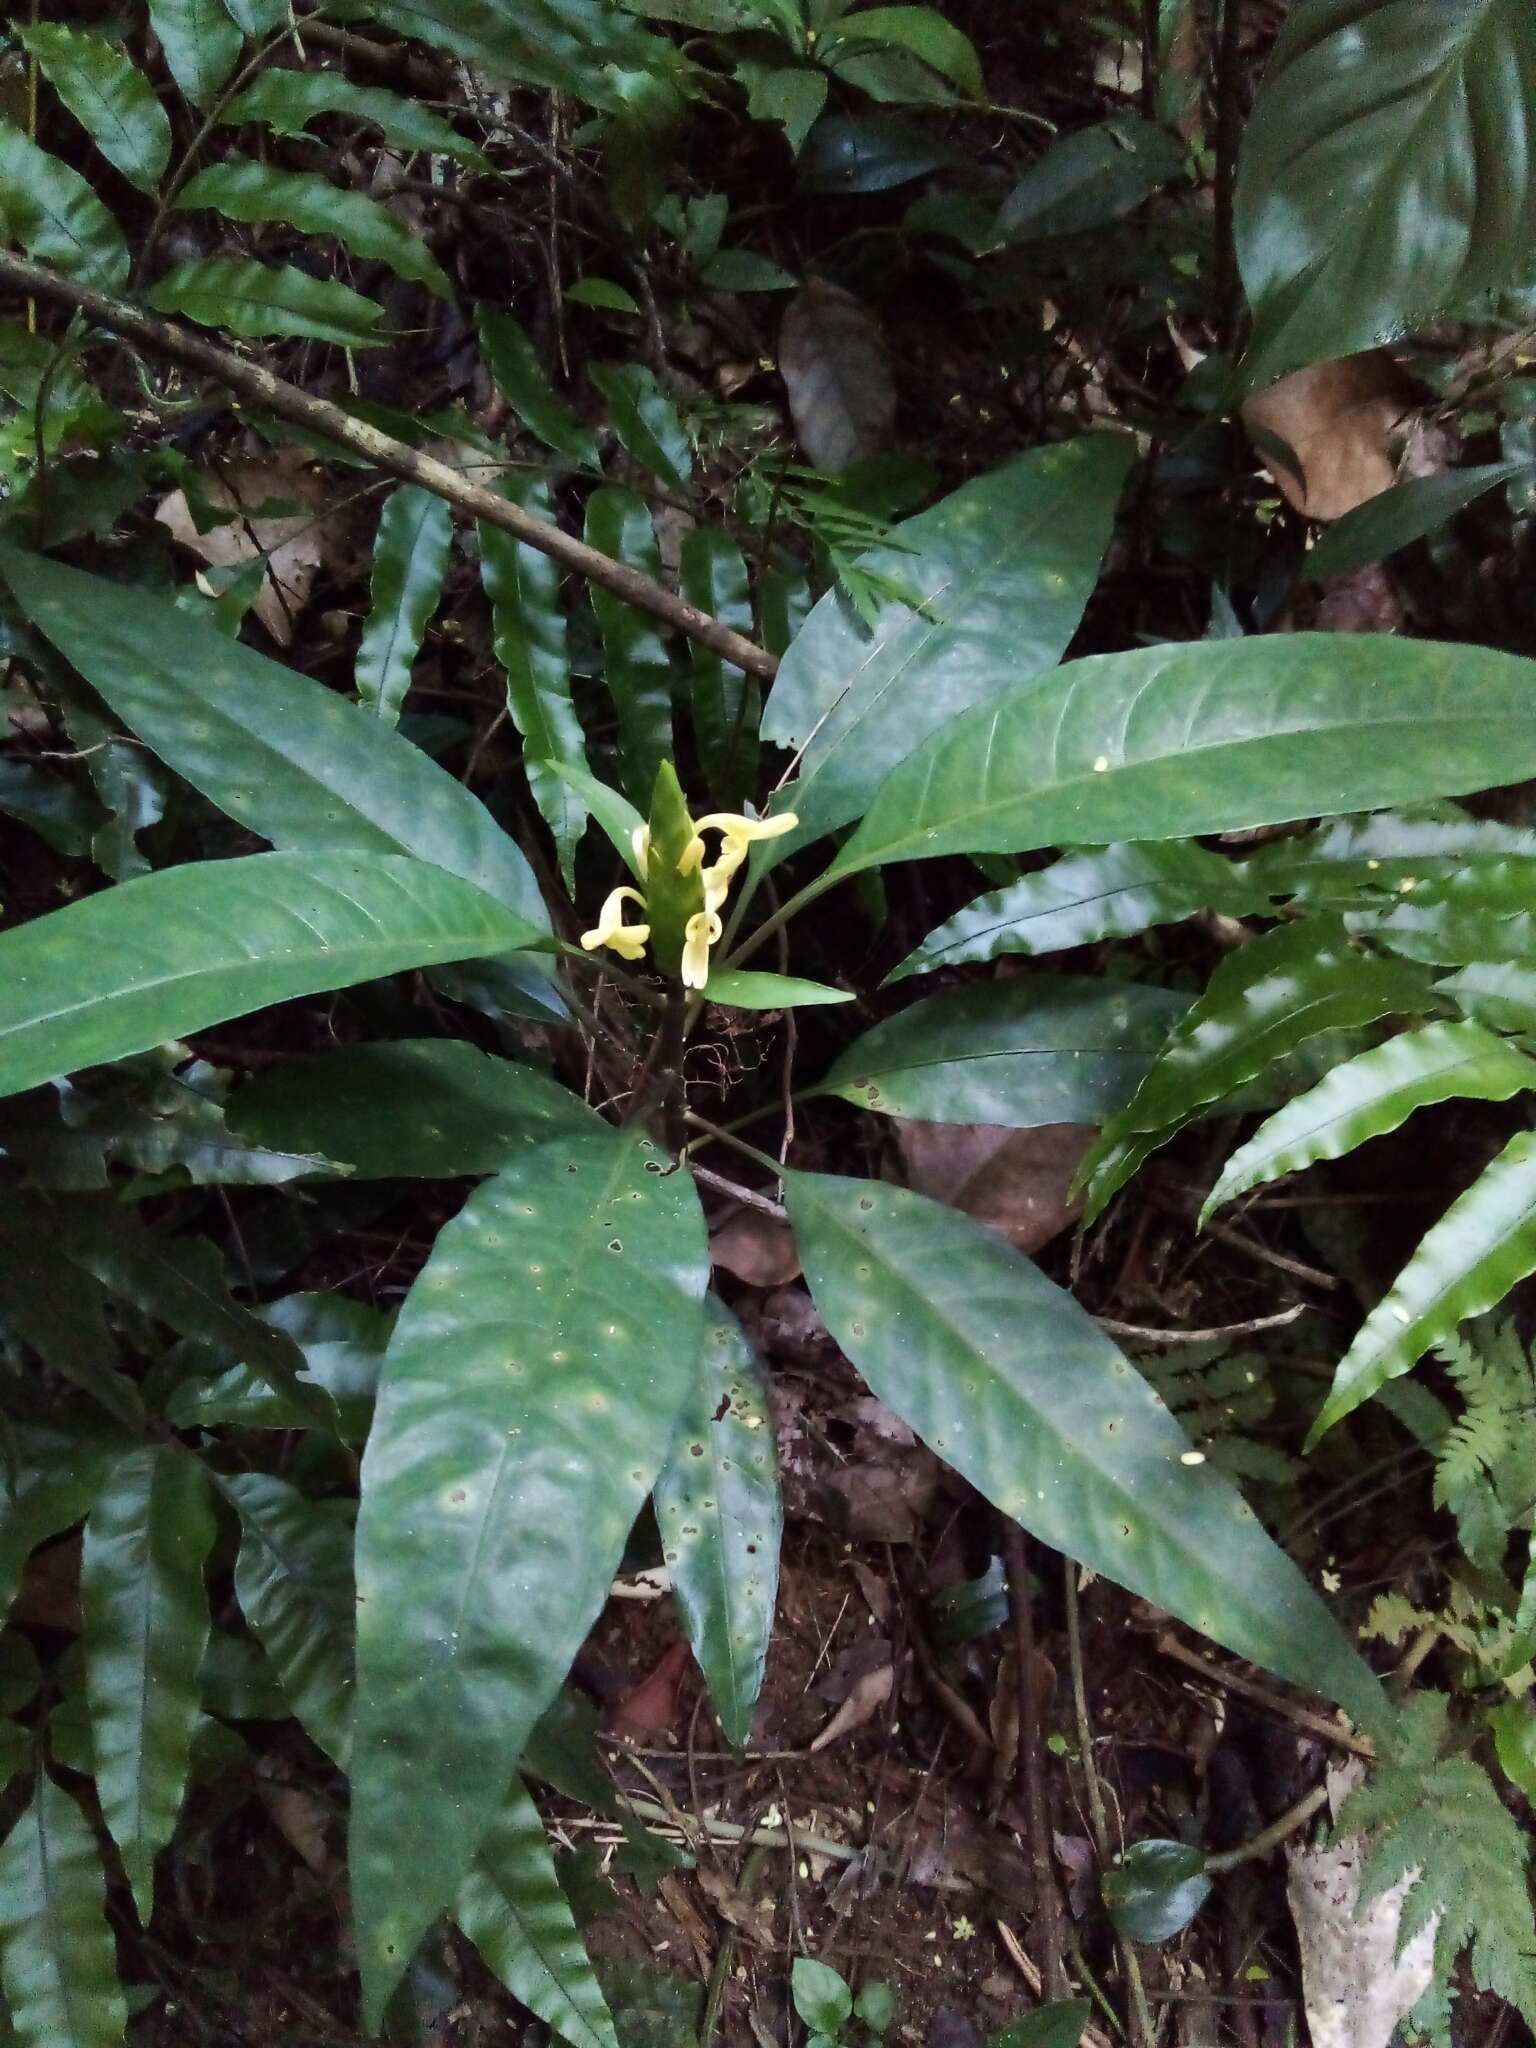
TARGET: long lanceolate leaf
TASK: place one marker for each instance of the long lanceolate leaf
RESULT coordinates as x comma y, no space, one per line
636,667
56,1952
54,214
248,191
108,94
513,1910
1013,1384
577,46
718,1508
727,704
287,101
512,360
283,755
1482,1246
56,1482
410,560
259,299
146,1624
1372,1094
1172,742
176,951
528,1399
200,41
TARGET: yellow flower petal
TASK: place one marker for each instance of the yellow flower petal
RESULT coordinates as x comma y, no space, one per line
640,842
699,934
735,826
627,940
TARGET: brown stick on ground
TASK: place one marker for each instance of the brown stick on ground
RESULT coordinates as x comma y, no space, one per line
258,386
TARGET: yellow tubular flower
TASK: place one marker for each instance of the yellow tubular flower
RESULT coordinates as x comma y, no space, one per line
736,836
627,940
640,841
699,934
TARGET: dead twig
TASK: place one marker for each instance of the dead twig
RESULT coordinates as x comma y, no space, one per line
1249,1329
1168,1645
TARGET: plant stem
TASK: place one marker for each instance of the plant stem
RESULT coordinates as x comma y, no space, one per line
1031,1766
1294,1818
725,1137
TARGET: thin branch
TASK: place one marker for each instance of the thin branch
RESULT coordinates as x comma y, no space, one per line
748,1197
259,387
1294,1818
1251,1328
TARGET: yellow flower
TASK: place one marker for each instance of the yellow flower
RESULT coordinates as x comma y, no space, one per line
736,836
640,841
699,934
627,940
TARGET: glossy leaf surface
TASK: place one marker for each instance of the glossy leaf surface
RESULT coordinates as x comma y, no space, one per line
727,704
282,755
200,44
1351,862
636,668
1374,1093
288,101
1479,910
514,363
244,190
1155,1889
1482,1246
55,1483
107,94
410,560
146,1626
1035,1049
342,1342
1172,742
721,1519
528,1400
57,1958
998,575
1012,1383
646,422
55,216
188,947
261,299
569,46
1058,2025
1407,512
744,989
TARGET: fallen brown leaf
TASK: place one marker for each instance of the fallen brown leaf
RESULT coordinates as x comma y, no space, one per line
294,545
837,371
649,1708
756,1248
1015,1182
861,1706
1341,421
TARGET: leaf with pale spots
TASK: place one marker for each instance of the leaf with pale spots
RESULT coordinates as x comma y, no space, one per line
1016,1387
528,1399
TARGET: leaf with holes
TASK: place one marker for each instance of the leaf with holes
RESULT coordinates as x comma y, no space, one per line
200,43
1012,1383
146,1625
718,1509
288,101
262,299
108,95
241,189
646,422
57,1957
727,705
513,1910
513,362
528,1400
1036,1049
410,561
55,216
636,667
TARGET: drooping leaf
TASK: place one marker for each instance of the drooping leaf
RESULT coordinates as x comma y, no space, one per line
743,989
1155,1889
57,1959
528,1400
792,95
1108,892
513,1910
921,32
727,704
1036,1049
1467,1262
244,190
342,1342
636,667
1011,1382
188,947
1374,184
860,152
107,94
513,361
1373,1093
146,1624
523,585
646,422
288,101
1396,518
282,755
200,43
417,1108
410,561
55,216
1172,742
293,1579
263,299
998,575
1354,862
718,1509
570,46
1087,179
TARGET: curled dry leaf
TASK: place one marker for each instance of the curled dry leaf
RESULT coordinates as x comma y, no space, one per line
1341,422
294,544
861,1706
837,371
649,1708
1015,1182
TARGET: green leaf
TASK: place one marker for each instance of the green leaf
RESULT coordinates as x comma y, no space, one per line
1514,1734
1156,1889
259,17
108,95
1499,993
1014,1385
1467,1262
1087,179
744,270
921,31
513,1910
528,628
1059,2025
1036,1049
1374,184
571,46
200,43
281,754
603,294
513,362
57,1958
55,216
1107,892
53,1489
146,1625
743,989
1480,910
293,1579
1354,862
1374,1093
616,816
240,189
998,574
821,1995
260,299
528,1400
645,421
637,669
720,1516
410,561
418,1109
1171,742
65,1325
793,95
876,2007
1397,517
342,1342
177,951
727,705
288,101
